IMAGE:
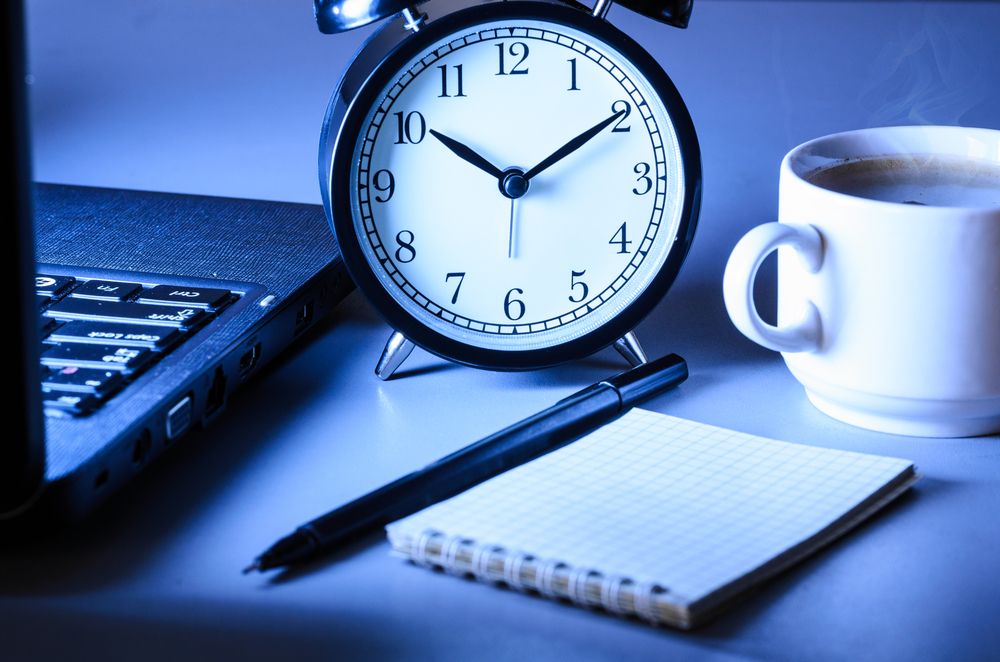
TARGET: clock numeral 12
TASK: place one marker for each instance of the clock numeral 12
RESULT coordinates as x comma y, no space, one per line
574,283
460,275
621,239
406,252
405,125
517,49
511,303
444,81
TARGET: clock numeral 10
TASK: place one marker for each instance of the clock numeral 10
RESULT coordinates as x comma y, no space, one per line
518,49
410,127
444,81
572,76
406,252
460,275
574,283
513,308
621,239
384,182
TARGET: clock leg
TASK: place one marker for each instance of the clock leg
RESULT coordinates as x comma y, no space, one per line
629,347
395,352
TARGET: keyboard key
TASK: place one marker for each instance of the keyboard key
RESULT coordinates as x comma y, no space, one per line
127,335
52,285
106,290
42,300
73,403
200,297
117,311
82,380
104,357
46,325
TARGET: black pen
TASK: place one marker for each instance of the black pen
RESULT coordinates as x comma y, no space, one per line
567,420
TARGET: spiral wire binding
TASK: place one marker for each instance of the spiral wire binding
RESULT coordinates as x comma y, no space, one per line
586,587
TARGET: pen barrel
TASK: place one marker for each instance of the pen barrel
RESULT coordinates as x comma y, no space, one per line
564,422
536,435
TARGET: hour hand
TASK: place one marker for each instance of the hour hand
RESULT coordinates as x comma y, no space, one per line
467,154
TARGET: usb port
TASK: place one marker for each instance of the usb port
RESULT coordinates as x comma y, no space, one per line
249,360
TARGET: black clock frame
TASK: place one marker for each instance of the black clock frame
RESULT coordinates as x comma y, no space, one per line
377,63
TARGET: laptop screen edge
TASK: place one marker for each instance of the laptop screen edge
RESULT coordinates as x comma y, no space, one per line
22,450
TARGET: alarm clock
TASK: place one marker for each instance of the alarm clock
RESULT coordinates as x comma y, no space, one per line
513,184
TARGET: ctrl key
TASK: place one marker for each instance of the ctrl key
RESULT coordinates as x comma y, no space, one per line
70,403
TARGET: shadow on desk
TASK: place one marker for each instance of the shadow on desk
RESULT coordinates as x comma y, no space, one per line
136,523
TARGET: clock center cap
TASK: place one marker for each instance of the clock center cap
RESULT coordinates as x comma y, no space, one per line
513,183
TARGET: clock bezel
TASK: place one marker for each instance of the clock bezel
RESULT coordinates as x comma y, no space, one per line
338,199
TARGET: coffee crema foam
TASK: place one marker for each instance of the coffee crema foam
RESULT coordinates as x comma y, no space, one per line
932,180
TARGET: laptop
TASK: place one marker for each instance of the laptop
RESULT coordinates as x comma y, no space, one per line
137,315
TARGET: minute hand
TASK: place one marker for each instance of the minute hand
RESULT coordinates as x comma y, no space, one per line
572,145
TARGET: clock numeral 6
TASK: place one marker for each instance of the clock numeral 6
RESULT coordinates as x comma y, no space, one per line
642,169
617,107
410,127
574,283
513,308
384,182
460,275
406,252
620,238
460,91
517,49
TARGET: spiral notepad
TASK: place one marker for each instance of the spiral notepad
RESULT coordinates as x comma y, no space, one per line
652,515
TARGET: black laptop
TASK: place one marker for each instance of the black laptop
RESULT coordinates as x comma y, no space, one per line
136,315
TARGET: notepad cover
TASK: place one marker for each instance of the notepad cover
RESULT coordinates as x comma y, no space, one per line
653,515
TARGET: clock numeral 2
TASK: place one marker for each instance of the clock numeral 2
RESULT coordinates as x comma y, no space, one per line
444,81
572,76
574,283
406,252
517,49
510,303
621,239
410,127
384,182
460,275
642,169
617,107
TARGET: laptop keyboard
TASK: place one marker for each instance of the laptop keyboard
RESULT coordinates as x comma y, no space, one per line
98,335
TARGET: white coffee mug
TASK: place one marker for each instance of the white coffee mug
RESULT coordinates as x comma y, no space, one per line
888,313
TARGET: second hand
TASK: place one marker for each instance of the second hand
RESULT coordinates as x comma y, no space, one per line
510,236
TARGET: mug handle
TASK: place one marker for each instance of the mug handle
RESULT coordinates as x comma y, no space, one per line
741,271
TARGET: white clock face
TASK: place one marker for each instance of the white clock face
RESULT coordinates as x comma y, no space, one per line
578,234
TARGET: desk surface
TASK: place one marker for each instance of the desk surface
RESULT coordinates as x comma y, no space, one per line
226,98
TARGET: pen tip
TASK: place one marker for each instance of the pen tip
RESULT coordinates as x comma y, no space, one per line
253,566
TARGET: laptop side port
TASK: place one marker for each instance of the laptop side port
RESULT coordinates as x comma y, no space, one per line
249,360
216,392
304,316
141,447
180,417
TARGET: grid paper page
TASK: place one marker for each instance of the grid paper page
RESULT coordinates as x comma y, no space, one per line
662,499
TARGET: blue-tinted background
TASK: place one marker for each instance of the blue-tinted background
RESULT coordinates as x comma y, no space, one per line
226,97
